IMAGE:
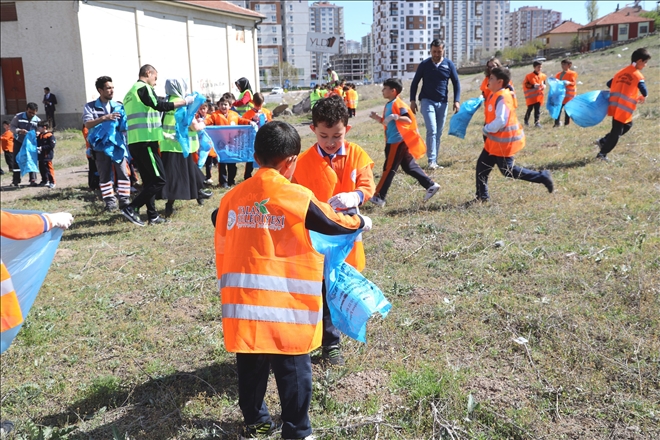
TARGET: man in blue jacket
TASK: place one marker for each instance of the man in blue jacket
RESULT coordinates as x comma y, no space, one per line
435,73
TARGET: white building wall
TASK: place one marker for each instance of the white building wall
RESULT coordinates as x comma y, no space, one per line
46,38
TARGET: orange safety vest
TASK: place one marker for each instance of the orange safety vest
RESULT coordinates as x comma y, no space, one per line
8,141
571,87
10,309
484,88
271,278
532,95
252,113
511,138
624,93
409,132
314,172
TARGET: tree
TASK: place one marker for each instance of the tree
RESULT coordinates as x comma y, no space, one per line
592,10
655,15
287,72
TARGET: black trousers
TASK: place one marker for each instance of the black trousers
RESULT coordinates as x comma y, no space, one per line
146,158
331,335
9,159
567,119
398,155
487,162
612,138
50,117
293,375
92,175
227,173
537,112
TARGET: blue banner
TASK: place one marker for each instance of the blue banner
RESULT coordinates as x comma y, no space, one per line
233,143
27,262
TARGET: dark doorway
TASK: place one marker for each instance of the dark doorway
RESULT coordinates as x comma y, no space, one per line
13,81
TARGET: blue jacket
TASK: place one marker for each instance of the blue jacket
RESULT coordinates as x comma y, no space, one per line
435,81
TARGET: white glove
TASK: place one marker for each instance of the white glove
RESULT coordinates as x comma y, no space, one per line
60,220
536,86
566,82
367,223
189,99
345,200
392,117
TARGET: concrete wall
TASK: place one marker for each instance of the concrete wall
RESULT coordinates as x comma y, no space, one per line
555,41
78,42
47,38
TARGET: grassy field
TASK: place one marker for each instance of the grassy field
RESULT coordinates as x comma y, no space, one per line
125,339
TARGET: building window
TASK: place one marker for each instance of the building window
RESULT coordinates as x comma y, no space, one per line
290,7
273,29
274,40
273,18
644,29
240,34
623,29
258,40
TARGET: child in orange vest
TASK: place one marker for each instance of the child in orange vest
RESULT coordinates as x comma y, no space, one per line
8,146
504,138
570,80
225,116
270,278
339,172
627,88
533,87
45,153
403,144
260,116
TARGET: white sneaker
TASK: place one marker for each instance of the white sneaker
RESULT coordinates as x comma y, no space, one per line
431,191
377,201
432,166
209,181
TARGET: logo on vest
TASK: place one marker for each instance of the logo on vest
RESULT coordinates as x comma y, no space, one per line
490,107
256,216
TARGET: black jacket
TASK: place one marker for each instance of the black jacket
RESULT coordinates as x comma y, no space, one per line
46,142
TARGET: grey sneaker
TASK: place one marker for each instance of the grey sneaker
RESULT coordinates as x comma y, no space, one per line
431,191
548,181
376,200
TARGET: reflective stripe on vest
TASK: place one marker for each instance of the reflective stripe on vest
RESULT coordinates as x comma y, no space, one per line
10,309
268,282
271,314
143,122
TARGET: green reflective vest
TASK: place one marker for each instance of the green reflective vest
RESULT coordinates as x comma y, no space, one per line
170,143
242,109
143,122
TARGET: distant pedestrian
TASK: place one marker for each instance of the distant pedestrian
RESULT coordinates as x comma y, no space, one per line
20,125
50,100
8,146
332,76
533,87
244,101
45,154
627,88
435,73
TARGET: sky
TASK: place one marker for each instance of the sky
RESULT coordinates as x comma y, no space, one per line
358,12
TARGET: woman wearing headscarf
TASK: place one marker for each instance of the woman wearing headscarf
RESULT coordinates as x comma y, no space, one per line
244,102
185,180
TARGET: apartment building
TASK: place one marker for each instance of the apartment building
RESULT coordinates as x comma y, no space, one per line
528,22
403,31
281,37
353,46
325,18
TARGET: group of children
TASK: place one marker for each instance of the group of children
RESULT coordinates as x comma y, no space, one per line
345,90
45,152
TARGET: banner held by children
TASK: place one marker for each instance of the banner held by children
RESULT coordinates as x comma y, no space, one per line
459,121
352,299
27,262
233,143
588,109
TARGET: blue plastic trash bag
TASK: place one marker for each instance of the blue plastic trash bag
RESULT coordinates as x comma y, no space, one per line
351,298
27,158
27,262
184,117
205,146
588,109
460,120
108,138
556,94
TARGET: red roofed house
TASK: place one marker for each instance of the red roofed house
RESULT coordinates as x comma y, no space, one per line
621,25
561,36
